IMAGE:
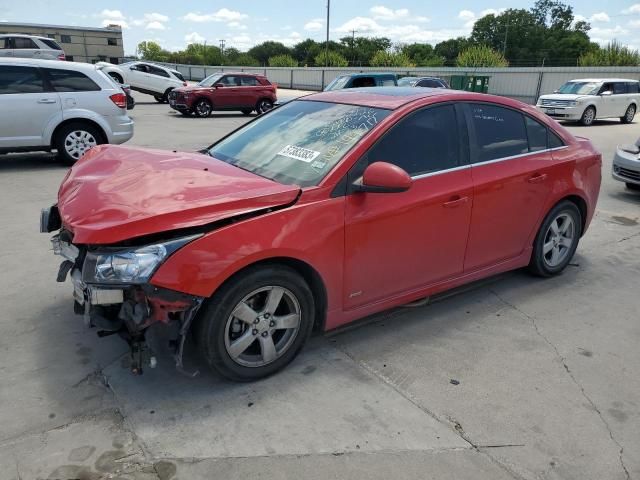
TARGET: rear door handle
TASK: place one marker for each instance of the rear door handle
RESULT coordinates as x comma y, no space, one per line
455,201
538,178
47,100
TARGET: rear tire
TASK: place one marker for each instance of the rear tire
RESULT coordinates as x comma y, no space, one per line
629,114
246,111
74,139
633,186
159,98
263,106
588,116
243,335
557,240
202,108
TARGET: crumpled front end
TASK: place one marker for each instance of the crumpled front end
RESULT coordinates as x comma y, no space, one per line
111,290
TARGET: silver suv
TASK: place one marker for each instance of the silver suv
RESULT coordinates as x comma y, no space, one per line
30,46
66,106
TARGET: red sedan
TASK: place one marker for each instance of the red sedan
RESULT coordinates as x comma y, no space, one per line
324,210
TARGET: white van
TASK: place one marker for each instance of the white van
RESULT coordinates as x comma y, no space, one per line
64,106
587,99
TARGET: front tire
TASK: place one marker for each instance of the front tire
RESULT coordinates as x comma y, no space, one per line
203,108
588,116
264,106
74,139
557,240
629,114
256,323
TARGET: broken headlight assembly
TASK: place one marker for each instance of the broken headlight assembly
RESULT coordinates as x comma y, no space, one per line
129,266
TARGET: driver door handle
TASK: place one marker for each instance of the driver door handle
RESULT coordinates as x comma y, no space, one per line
47,100
537,178
455,201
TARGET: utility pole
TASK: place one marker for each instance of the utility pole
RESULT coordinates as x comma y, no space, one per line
326,47
353,46
504,47
222,42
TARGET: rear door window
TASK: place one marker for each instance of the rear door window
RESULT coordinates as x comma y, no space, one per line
249,82
23,43
231,81
499,132
158,71
619,88
14,79
363,82
70,81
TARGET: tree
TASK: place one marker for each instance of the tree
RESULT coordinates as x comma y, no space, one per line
264,51
481,56
384,58
152,51
282,61
246,60
422,55
231,55
334,59
306,51
613,54
450,49
360,50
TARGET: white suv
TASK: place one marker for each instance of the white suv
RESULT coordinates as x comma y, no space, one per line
65,106
146,78
30,46
586,99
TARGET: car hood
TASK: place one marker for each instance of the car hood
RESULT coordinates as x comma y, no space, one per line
190,88
118,193
562,96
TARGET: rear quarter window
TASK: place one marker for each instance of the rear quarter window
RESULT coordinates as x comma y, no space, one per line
70,81
51,44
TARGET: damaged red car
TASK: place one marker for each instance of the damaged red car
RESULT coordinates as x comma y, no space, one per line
322,211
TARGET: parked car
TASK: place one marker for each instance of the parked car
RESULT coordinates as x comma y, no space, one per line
130,100
430,82
288,223
30,46
626,165
357,80
65,106
588,99
245,92
144,77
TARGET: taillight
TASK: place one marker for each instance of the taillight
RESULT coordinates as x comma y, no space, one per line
120,99
61,56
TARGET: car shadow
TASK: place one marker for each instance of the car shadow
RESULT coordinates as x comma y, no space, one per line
12,162
626,195
609,122
214,115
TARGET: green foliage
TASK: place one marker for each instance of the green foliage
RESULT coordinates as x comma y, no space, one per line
265,50
245,60
422,55
450,49
152,51
334,59
282,61
384,58
613,54
361,50
481,56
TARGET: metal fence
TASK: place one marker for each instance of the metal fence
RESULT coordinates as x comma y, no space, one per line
522,83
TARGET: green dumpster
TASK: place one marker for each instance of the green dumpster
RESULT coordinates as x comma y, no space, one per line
470,83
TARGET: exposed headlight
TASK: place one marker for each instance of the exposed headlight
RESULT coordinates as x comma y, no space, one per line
130,266
572,103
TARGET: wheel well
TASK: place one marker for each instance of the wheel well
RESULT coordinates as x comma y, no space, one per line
310,275
77,120
582,206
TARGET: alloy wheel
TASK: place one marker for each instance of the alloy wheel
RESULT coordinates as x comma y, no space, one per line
588,116
203,108
558,240
78,142
631,112
264,106
262,326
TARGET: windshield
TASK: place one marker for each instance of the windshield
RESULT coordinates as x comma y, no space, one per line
406,82
300,142
580,88
210,80
338,83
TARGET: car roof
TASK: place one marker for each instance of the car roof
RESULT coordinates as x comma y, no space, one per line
599,80
395,97
35,62
25,35
367,74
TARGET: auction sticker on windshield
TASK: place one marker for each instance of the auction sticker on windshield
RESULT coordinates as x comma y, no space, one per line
299,153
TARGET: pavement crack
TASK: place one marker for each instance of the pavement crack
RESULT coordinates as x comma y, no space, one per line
563,361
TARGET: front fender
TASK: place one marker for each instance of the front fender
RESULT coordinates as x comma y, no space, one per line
312,233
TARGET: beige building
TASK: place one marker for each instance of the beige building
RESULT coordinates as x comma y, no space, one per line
80,44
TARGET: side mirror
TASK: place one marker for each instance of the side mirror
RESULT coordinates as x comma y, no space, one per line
607,93
218,85
556,91
383,177
133,67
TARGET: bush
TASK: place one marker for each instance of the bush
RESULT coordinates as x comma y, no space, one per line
246,60
282,61
335,60
481,56
613,55
383,58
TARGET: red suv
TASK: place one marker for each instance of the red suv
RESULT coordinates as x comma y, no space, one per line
225,91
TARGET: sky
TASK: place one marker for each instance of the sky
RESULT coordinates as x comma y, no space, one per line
174,24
